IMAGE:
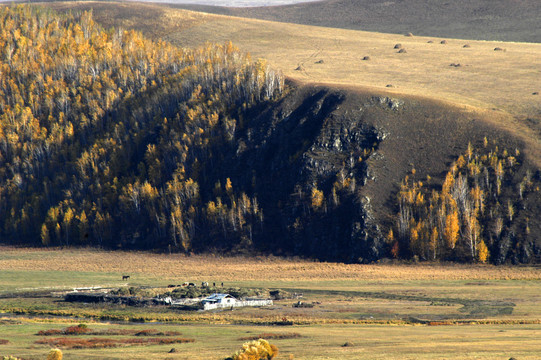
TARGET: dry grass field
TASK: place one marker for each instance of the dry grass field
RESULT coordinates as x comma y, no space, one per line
241,269
398,311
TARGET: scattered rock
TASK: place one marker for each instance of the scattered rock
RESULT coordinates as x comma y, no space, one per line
455,65
299,68
393,104
498,49
402,51
389,85
320,61
466,46
535,93
366,58
430,42
443,42
173,350
409,34
398,46
347,343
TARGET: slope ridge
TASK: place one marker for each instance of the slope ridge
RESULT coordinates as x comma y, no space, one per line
500,20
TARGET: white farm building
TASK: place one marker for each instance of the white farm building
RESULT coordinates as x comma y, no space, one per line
219,299
216,301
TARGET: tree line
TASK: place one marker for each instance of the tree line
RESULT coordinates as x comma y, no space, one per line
473,216
103,133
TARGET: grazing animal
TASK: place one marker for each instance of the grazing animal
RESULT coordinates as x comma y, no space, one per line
191,284
214,284
125,277
204,284
185,283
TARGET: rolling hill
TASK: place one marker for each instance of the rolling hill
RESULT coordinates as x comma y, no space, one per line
327,161
468,74
497,20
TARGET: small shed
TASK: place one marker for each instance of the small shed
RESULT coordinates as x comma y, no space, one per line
220,300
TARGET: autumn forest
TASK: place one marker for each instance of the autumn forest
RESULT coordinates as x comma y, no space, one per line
111,140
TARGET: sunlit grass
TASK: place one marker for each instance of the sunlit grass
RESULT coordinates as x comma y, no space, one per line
383,311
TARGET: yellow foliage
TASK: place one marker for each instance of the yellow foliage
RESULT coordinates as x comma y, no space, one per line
317,198
45,238
256,350
451,229
54,354
482,252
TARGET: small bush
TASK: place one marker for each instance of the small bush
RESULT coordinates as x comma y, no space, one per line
54,354
50,332
76,330
443,42
398,46
402,51
256,350
279,294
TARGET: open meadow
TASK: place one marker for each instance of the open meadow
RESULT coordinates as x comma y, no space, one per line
382,311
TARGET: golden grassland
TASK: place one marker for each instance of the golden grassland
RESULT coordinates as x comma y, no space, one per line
317,342
384,311
485,78
238,269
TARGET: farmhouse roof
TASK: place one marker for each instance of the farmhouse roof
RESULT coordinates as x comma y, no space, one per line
218,297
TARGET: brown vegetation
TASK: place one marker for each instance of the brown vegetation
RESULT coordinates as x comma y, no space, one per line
83,330
277,336
96,343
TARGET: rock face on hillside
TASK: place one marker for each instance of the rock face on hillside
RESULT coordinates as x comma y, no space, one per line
326,165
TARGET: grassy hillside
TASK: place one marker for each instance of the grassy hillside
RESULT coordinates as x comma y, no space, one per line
497,85
501,20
